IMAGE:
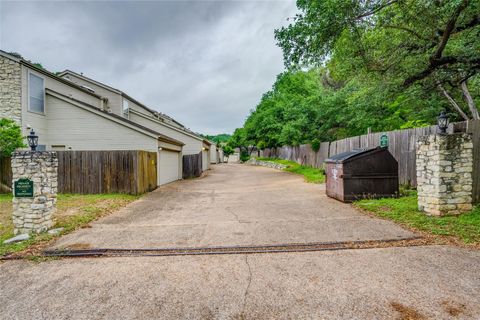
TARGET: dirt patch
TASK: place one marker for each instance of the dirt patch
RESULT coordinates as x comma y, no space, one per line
407,313
79,246
454,309
5,215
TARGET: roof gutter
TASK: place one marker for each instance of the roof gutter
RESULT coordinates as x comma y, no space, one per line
47,73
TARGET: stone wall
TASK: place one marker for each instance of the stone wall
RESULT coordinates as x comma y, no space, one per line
268,164
10,90
34,215
444,173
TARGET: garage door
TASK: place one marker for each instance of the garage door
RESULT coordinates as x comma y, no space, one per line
169,162
205,160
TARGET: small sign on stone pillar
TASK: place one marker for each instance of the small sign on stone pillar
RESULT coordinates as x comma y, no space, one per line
34,190
444,174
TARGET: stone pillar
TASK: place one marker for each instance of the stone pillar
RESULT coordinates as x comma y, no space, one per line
10,90
33,214
444,173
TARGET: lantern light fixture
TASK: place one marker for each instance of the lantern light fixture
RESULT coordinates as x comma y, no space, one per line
32,139
442,122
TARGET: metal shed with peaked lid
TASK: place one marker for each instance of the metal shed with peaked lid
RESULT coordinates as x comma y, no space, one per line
362,173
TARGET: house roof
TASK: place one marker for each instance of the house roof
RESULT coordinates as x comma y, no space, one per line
183,131
123,94
48,73
118,118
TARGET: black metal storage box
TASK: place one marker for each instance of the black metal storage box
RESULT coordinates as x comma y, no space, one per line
362,173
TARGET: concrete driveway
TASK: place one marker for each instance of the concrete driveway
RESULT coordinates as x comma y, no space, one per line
233,205
244,205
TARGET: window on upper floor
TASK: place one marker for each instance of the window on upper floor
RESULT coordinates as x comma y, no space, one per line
36,93
125,108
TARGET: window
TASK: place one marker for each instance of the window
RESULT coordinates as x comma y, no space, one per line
125,108
36,94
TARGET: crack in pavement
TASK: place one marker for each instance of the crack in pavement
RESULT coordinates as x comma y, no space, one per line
248,286
234,214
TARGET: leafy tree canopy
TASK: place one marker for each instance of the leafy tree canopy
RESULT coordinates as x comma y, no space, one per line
228,151
401,43
378,64
10,137
218,138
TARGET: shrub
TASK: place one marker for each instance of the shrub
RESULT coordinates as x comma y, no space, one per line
315,145
10,137
244,156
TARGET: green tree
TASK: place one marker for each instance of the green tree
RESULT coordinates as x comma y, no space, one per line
219,138
227,151
432,45
239,140
10,137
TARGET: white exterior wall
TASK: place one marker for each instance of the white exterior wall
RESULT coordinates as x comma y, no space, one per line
205,160
136,107
213,154
80,129
234,157
192,145
115,100
39,121
220,155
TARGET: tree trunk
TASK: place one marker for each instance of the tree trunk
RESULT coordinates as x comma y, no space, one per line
470,102
452,102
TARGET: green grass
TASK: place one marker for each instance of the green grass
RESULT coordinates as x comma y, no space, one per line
465,227
313,175
73,212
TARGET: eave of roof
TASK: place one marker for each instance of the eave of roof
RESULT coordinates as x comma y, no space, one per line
181,130
100,84
123,94
48,73
118,91
122,119
105,86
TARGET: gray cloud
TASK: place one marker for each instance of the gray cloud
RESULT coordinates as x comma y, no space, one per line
205,63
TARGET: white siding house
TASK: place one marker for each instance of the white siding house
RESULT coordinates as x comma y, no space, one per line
122,104
214,154
66,116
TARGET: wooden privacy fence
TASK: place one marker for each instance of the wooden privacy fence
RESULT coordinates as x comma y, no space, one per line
402,144
95,172
5,175
192,166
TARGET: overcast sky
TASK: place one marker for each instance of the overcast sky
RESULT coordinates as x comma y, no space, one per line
205,63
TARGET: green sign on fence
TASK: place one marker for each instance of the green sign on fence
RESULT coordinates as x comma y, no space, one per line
23,188
384,141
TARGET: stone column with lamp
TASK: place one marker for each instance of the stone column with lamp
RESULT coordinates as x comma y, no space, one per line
444,171
34,188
